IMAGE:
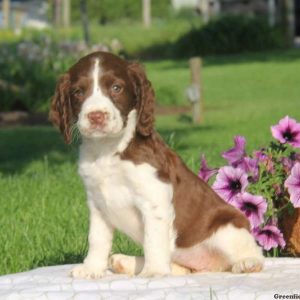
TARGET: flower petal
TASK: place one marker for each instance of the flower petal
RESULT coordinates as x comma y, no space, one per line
292,184
205,173
277,134
254,207
296,139
235,154
295,199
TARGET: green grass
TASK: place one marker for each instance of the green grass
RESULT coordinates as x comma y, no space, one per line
43,215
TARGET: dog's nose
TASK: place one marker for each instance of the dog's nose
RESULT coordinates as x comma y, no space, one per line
96,117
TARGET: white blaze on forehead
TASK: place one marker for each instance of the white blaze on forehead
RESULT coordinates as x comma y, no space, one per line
96,72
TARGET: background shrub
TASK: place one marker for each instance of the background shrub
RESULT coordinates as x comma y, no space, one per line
229,34
32,66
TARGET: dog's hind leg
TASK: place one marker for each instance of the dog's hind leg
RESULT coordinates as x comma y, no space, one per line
133,265
201,258
239,246
126,264
228,249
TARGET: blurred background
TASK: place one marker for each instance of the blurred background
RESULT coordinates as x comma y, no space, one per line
246,76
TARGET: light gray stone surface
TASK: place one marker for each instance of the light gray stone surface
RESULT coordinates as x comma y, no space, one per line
280,276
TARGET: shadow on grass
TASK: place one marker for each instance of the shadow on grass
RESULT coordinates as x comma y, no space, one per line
162,52
121,244
63,259
178,137
19,147
23,145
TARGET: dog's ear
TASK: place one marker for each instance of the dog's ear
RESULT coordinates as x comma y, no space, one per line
145,99
61,110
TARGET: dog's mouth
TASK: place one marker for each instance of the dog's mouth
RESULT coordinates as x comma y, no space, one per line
95,131
100,130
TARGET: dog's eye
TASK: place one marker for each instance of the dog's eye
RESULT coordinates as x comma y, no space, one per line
78,93
116,88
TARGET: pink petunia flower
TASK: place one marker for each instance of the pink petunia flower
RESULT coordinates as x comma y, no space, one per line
237,158
269,237
205,173
254,207
250,166
287,131
293,185
236,154
230,182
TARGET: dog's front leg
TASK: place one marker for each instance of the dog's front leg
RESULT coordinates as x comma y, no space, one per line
100,241
159,237
156,247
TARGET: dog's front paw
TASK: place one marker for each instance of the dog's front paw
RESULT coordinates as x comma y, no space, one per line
85,271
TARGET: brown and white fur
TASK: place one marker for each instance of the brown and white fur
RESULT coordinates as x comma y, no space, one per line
137,184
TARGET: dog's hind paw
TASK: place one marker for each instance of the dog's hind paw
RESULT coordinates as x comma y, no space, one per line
124,264
248,265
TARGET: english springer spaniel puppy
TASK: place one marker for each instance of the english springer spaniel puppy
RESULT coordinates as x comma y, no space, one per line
137,184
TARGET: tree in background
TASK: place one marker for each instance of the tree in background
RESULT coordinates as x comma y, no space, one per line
287,19
57,13
61,12
106,11
6,12
147,13
66,13
85,22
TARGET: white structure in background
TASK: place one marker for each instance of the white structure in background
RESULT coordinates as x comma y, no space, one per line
207,8
30,13
272,12
179,4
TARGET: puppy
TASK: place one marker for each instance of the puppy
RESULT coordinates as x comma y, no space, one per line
134,182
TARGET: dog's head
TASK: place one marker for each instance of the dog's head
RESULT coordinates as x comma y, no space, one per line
98,95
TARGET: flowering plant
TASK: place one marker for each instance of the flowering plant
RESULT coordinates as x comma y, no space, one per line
264,185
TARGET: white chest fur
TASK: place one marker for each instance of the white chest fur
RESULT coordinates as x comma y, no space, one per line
125,192
108,182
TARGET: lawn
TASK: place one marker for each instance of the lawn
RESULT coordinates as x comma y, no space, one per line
43,216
